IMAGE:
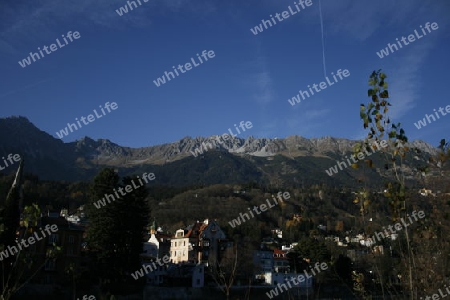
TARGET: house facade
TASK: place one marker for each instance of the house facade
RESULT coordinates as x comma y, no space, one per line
202,242
281,262
69,238
181,248
263,261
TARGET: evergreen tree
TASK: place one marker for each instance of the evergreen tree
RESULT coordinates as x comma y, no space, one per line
133,221
102,225
116,230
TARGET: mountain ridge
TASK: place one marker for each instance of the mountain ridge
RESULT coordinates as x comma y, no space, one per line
47,156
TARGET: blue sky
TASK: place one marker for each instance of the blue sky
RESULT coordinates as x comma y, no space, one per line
250,78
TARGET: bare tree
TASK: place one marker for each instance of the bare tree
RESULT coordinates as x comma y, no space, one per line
224,273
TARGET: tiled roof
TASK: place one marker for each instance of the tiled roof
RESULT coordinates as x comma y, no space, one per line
196,230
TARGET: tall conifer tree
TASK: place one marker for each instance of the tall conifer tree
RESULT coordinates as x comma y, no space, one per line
116,230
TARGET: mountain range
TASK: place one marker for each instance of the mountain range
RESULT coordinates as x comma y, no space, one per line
292,160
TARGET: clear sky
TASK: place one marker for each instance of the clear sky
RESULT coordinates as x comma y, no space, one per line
251,77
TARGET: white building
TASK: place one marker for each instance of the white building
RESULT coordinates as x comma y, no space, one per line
201,242
281,278
158,245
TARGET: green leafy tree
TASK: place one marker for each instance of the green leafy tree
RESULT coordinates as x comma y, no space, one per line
376,120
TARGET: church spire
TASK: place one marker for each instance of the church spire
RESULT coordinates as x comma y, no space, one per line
153,227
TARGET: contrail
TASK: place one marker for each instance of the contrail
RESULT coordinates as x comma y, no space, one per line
323,44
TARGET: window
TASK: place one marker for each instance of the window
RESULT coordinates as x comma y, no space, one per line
71,239
47,279
54,238
50,265
70,251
